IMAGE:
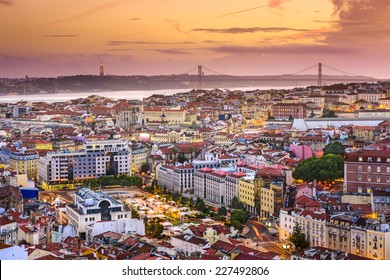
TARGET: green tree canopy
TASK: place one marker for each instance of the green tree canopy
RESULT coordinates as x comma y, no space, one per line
181,158
335,148
200,206
236,204
145,167
298,238
327,168
239,216
154,228
222,211
328,114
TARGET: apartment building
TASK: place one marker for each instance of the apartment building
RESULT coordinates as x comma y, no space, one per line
284,111
367,169
100,157
183,178
210,185
339,233
313,225
25,162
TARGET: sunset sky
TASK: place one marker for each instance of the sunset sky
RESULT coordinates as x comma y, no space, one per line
246,37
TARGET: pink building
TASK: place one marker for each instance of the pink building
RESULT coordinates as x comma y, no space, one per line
307,190
301,151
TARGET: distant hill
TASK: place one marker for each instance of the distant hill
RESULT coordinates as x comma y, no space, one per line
86,83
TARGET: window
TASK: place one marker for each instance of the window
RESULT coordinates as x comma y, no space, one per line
368,168
368,178
360,168
379,159
359,177
378,179
387,169
369,159
360,159
378,169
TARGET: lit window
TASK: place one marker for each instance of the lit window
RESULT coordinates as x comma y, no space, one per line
368,178
360,158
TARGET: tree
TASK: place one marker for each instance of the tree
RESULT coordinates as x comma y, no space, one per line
335,148
298,238
328,114
236,204
154,228
191,150
238,219
181,158
134,214
236,225
240,216
222,211
327,168
145,167
175,151
200,206
189,203
269,116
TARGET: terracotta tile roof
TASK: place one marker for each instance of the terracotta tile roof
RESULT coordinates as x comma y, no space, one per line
314,215
5,220
222,246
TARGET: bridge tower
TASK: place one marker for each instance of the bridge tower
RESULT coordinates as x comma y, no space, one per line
200,77
320,74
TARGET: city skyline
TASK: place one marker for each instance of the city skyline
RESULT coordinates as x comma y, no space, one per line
241,38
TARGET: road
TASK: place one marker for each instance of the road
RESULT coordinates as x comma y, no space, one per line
268,242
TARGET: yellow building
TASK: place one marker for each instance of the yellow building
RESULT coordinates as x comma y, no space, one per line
38,144
378,242
25,162
139,156
270,200
249,193
170,115
364,133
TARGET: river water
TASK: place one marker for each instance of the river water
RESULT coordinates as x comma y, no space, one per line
127,94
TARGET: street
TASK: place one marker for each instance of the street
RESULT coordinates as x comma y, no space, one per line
259,233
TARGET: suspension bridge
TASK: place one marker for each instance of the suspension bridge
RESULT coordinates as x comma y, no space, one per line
331,75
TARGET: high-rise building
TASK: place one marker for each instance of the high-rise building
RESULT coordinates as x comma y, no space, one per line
99,157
